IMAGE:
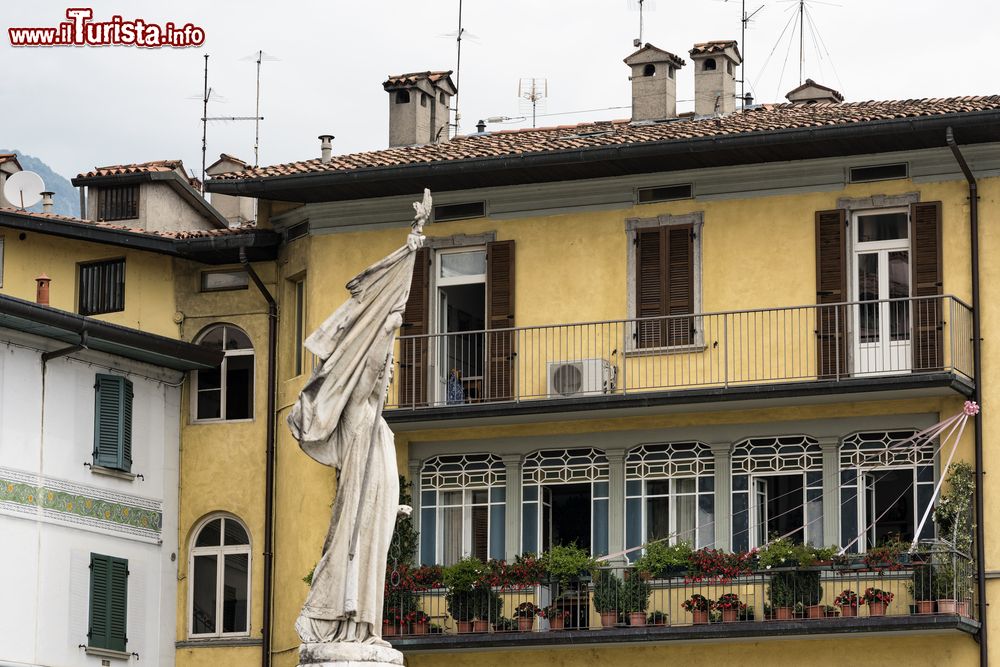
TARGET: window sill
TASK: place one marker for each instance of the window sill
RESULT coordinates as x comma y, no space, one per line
218,642
672,349
199,422
107,653
111,472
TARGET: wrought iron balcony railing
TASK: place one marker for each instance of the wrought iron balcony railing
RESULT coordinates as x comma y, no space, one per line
831,342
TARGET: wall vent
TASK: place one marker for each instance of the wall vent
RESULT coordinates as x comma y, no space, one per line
881,172
475,209
664,193
297,231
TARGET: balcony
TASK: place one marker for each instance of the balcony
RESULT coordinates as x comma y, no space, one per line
917,342
932,592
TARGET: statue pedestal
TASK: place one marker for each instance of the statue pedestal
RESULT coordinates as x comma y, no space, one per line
348,654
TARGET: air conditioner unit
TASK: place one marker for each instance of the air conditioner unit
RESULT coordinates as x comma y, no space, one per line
582,377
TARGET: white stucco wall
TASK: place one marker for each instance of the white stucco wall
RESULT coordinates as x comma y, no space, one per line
46,435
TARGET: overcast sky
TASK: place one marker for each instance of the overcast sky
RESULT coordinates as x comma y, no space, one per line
77,107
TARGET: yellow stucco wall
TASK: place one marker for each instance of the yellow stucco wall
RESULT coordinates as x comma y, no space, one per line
149,277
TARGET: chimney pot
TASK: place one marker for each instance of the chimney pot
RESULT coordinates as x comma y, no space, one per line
325,147
47,202
42,289
481,126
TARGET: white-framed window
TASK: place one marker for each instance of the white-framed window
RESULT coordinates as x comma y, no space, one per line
777,484
462,508
459,319
564,497
886,483
670,494
219,579
225,393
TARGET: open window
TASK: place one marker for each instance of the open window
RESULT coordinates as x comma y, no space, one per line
219,574
225,393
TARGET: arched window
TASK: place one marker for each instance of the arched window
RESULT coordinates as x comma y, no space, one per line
219,575
649,69
777,491
462,510
670,493
402,97
565,499
709,65
887,480
226,392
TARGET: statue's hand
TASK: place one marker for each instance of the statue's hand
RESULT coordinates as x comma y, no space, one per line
404,510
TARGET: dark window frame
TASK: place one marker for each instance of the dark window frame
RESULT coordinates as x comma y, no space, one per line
91,299
204,288
223,371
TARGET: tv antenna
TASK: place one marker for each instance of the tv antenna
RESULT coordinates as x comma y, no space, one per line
259,57
744,22
23,189
640,6
459,35
800,20
533,91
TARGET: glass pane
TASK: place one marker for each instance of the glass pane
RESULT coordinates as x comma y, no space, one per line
546,526
239,387
849,516
684,508
741,520
600,490
633,487
706,483
209,379
209,404
451,498
428,498
220,280
600,537
234,593
498,494
451,535
658,487
497,531
235,534
428,536
529,527
480,496
814,517
529,493
706,520
882,227
480,532
210,534
633,525
684,485
237,340
868,291
213,338
899,288
657,518
203,600
455,264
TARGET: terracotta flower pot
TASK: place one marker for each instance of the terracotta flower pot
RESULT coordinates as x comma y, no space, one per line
420,628
847,610
783,613
814,611
389,629
962,608
876,609
729,615
524,623
609,619
700,616
464,627
637,618
924,606
947,606
557,622
479,625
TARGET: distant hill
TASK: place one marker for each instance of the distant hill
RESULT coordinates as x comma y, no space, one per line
67,198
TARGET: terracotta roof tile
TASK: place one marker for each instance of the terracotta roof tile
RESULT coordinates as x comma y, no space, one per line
181,234
715,46
411,78
138,168
504,143
7,157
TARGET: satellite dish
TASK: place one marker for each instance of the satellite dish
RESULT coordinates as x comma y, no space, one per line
23,189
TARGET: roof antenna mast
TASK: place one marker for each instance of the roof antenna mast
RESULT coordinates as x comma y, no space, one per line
640,6
744,22
458,68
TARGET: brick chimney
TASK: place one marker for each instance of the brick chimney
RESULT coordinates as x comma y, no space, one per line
654,83
419,107
42,289
715,66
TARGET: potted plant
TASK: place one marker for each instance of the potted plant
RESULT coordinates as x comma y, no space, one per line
567,564
729,605
746,613
782,595
488,607
661,560
419,622
556,616
922,588
392,622
877,600
635,596
699,606
525,614
887,556
608,596
657,618
848,602
944,588
829,611
464,581
505,624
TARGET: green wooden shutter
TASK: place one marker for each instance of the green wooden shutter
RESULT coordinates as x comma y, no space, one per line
113,422
98,634
117,604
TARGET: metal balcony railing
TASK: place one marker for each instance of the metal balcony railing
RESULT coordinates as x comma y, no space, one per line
833,342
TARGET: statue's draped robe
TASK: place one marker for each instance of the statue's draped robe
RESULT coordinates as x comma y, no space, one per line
338,422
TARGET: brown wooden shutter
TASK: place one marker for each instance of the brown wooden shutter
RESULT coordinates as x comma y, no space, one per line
926,281
412,380
831,288
680,283
500,345
664,279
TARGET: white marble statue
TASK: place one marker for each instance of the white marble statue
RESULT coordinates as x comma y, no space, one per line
338,421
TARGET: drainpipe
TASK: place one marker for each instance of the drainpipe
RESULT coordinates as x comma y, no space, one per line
977,366
272,348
